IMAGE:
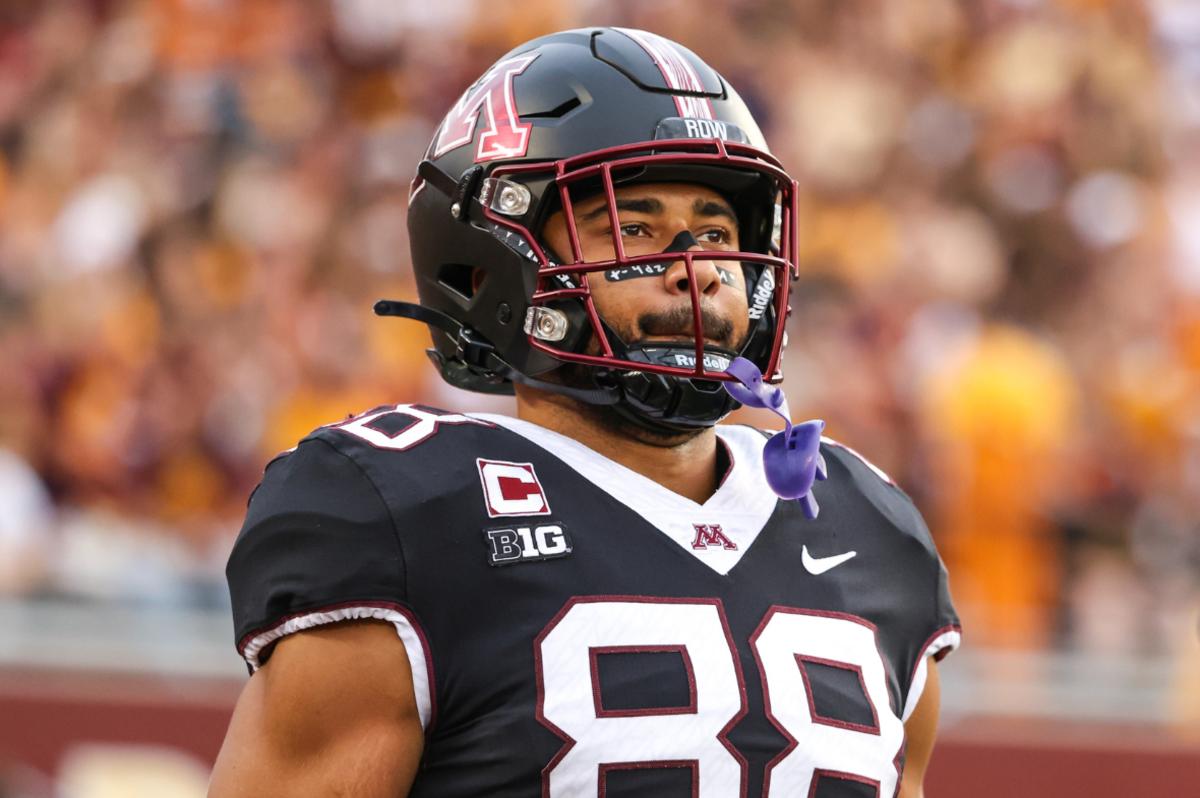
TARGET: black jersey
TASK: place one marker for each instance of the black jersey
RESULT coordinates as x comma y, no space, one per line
576,629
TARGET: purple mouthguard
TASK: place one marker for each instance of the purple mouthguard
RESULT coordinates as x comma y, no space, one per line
792,458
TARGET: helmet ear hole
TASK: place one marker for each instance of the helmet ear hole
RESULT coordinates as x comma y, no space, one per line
461,278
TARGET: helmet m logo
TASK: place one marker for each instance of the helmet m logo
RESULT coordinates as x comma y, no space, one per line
505,135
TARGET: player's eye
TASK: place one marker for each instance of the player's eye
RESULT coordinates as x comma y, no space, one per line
633,230
717,235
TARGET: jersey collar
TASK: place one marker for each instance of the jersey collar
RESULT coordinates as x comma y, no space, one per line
739,509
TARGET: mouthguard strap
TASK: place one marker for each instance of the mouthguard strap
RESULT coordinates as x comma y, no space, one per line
792,460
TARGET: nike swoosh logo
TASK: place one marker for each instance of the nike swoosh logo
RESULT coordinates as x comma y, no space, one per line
819,565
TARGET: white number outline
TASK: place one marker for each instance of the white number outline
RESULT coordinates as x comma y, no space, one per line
877,731
772,613
603,767
594,652
425,423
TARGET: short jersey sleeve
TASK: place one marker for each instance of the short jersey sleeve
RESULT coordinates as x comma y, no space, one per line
944,630
318,546
930,627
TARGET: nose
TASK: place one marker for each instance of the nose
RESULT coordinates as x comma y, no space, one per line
708,279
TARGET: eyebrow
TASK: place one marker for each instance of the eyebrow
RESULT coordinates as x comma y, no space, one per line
640,205
650,205
713,208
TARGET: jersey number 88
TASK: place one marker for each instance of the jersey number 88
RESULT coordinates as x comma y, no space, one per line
597,742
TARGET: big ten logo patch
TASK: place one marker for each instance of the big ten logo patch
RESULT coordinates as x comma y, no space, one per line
511,489
510,545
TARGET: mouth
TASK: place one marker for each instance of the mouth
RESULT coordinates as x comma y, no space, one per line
682,340
677,327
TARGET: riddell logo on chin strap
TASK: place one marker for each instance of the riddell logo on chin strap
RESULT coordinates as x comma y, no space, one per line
711,535
711,362
762,294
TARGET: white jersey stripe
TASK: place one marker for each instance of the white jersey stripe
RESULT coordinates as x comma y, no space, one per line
676,70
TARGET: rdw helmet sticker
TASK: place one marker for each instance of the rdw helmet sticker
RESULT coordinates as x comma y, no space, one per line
505,136
511,489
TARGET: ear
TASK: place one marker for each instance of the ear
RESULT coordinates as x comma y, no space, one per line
477,277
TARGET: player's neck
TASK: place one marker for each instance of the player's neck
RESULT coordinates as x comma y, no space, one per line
688,467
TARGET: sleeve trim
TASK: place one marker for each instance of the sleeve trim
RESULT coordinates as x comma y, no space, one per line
410,632
938,645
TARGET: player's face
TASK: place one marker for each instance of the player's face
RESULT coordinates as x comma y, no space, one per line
655,305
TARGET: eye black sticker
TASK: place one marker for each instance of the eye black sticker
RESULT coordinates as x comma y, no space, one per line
622,273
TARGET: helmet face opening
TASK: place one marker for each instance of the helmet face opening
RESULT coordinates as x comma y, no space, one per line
563,297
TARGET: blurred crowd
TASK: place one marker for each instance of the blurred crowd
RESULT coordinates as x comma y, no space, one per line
999,301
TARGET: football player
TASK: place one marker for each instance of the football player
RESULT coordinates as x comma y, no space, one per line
608,595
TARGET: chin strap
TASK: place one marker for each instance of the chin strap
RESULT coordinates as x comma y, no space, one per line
792,459
608,395
478,354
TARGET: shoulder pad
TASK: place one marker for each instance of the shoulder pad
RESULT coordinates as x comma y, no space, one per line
879,472
874,484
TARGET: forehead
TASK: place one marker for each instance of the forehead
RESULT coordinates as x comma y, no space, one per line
667,193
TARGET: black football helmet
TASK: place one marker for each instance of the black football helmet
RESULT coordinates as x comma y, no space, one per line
563,117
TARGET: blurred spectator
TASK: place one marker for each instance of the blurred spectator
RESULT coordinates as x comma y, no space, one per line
997,419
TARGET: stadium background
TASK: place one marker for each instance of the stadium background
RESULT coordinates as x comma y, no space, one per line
999,304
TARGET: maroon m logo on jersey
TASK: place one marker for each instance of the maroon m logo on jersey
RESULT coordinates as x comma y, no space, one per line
505,136
711,535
